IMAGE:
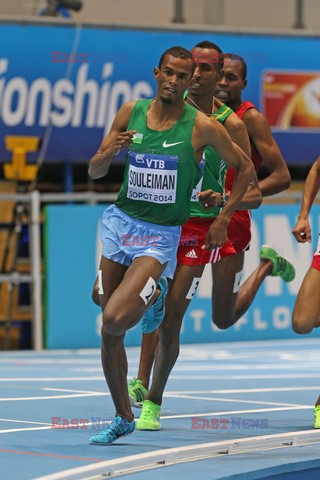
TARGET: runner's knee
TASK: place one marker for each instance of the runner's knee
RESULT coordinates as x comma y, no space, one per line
95,295
223,320
172,322
169,331
169,338
114,323
301,324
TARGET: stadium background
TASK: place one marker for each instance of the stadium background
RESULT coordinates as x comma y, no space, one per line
66,108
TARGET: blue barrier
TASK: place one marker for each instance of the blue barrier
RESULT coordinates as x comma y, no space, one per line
73,251
71,81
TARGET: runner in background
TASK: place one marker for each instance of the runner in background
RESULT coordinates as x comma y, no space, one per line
230,300
306,313
192,259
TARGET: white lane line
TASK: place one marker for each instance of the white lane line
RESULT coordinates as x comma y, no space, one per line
236,400
168,394
184,394
23,421
247,358
173,377
307,367
52,361
52,397
171,393
178,455
48,427
246,390
28,429
51,379
250,367
96,370
58,353
186,415
236,412
244,377
74,391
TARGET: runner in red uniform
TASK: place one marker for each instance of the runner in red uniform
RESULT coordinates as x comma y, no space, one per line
230,300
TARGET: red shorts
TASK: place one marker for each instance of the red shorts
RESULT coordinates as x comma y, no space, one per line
193,236
316,262
239,230
316,257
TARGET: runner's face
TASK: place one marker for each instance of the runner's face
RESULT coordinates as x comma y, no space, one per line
173,78
206,73
230,84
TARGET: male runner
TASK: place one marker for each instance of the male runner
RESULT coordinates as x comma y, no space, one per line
200,95
166,139
226,278
229,301
191,259
306,313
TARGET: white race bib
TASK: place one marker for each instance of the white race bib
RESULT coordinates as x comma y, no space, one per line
317,252
198,187
152,177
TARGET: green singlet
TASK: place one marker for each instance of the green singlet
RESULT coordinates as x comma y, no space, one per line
161,169
214,173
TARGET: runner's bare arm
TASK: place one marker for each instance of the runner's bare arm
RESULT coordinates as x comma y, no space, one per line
302,230
238,132
116,139
211,133
252,198
260,133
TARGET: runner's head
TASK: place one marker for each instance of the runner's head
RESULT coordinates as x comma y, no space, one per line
208,60
173,74
233,79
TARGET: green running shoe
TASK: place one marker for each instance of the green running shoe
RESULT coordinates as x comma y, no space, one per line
137,392
281,267
149,418
317,417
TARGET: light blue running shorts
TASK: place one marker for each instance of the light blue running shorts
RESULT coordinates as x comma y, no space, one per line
125,238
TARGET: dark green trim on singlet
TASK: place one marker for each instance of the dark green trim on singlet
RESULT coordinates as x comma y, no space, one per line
214,174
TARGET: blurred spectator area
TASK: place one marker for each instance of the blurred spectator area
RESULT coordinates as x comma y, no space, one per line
52,178
15,309
240,13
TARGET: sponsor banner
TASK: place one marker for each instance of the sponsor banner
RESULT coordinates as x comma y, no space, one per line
66,84
73,251
291,100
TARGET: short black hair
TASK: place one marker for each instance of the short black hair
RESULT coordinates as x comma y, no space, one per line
234,57
212,46
177,52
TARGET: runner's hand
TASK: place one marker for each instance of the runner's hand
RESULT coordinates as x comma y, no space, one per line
210,199
123,140
216,236
302,231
